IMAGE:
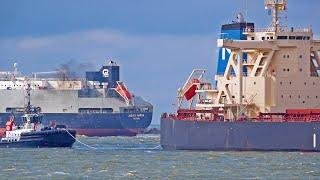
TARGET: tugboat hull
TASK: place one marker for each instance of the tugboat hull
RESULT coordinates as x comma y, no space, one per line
43,139
240,136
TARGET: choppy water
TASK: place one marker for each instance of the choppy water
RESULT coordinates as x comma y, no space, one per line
142,158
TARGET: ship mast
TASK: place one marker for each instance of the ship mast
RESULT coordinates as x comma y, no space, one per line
28,99
276,6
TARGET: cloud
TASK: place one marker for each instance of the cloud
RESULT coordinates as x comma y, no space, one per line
152,66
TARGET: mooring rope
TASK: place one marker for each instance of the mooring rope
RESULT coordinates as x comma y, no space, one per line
79,140
91,147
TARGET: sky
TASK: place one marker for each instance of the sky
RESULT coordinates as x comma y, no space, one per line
156,43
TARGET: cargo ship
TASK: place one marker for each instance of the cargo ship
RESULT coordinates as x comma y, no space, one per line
265,96
97,105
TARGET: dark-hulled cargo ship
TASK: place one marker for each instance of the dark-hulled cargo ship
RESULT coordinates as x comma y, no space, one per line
97,105
266,95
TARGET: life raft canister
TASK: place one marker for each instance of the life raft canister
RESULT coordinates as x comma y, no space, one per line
9,125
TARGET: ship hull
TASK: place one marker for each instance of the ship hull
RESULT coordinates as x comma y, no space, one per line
109,124
240,136
43,139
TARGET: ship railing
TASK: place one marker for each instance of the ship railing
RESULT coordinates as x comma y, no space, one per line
195,115
297,30
57,79
288,117
232,74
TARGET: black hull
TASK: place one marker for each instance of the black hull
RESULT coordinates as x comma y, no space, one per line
240,136
43,139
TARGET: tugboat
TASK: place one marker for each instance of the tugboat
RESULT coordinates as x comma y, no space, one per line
32,133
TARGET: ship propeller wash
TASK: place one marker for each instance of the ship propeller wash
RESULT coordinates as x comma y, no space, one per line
266,94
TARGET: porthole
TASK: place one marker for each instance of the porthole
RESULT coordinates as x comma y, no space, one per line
314,83
254,83
303,102
281,96
290,96
300,69
290,83
284,69
288,56
288,69
305,83
284,56
280,83
316,97
300,56
299,96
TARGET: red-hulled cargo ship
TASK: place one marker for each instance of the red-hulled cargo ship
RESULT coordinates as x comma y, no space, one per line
266,96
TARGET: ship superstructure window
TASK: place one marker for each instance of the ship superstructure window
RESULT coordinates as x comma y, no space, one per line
107,110
282,37
89,110
14,109
292,37
299,38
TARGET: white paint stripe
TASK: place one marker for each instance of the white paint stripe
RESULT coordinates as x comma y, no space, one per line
314,140
223,53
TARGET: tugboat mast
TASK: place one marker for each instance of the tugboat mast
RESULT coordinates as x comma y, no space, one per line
277,6
28,98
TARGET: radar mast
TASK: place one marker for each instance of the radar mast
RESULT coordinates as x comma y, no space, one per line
276,6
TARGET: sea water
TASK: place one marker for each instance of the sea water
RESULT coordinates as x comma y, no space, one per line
141,157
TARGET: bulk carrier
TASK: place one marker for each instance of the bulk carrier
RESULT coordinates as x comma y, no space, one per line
97,105
266,96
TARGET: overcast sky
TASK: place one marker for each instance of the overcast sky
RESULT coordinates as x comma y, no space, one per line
156,42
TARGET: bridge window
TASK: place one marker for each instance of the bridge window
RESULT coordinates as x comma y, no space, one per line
107,110
282,37
299,38
292,37
89,110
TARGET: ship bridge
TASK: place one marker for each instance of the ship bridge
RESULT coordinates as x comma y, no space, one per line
268,71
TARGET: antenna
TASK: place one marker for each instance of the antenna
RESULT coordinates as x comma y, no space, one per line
28,98
277,6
